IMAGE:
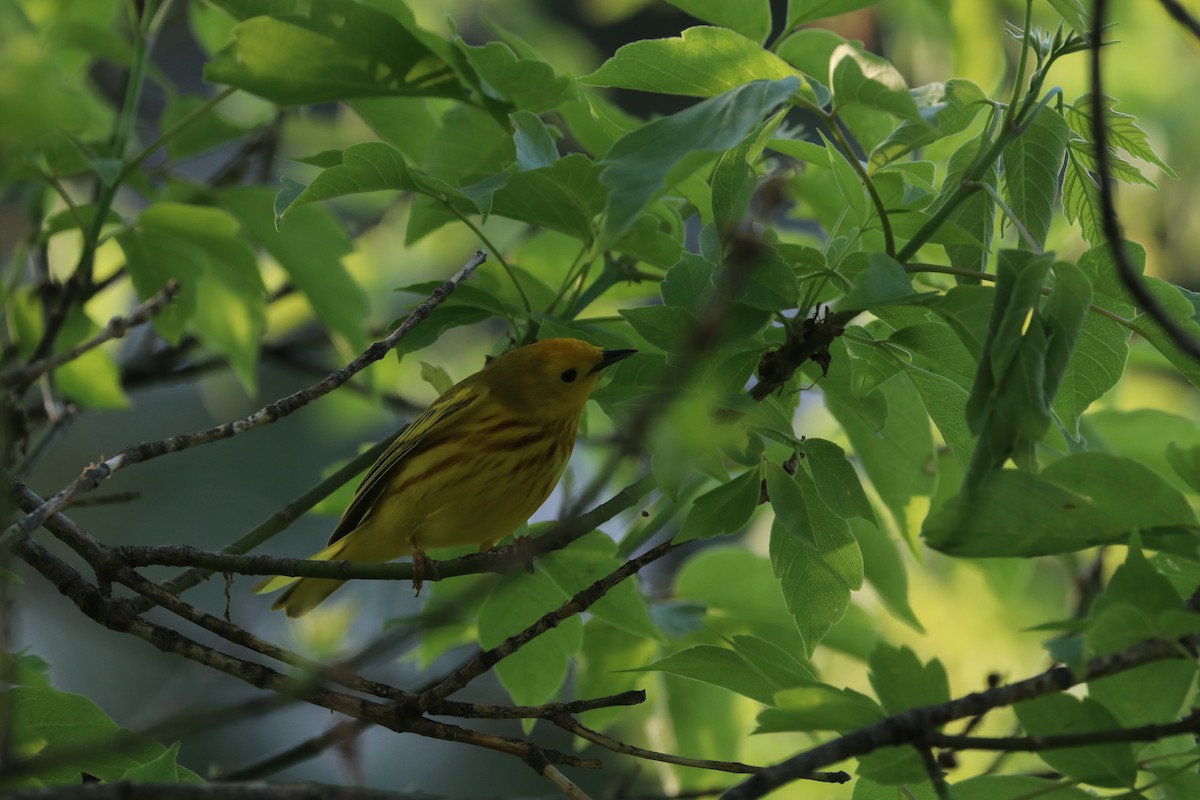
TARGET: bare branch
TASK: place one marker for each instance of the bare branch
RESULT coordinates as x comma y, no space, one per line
1033,744
917,724
483,662
499,559
95,474
607,742
116,328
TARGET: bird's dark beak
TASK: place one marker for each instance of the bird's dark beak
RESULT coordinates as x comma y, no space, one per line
610,357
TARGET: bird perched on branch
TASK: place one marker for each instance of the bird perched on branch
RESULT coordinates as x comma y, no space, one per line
473,467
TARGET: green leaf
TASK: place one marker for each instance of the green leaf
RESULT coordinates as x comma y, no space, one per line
902,682
442,319
1081,200
665,327
974,214
862,78
200,134
741,594
883,282
813,554
946,109
221,298
1174,303
337,50
527,83
564,196
892,439
688,283
802,11
1032,162
535,673
367,167
1075,14
1103,345
310,248
836,482
725,509
587,560
638,164
77,737
535,146
751,19
1186,462
854,195
601,668
733,184
700,62
1075,503
93,380
717,666
946,401
819,708
1108,765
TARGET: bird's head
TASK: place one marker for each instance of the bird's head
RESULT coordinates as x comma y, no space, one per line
552,377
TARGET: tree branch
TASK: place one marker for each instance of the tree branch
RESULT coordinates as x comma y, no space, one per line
17,379
1108,213
916,725
95,474
483,662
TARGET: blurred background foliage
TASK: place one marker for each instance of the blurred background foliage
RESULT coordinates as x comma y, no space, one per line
62,61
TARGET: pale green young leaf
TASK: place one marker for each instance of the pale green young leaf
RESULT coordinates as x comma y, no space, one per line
1081,200
1075,14
700,62
1122,129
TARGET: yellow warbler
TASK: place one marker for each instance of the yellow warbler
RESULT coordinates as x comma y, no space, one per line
480,460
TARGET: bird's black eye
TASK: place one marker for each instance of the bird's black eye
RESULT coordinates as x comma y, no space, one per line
569,376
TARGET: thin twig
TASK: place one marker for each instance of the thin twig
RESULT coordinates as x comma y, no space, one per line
116,328
1033,744
916,725
483,662
499,559
95,474
595,737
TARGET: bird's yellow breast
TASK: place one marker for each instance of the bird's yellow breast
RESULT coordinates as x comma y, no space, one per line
473,486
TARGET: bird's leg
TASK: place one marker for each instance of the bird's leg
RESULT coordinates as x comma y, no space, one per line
422,566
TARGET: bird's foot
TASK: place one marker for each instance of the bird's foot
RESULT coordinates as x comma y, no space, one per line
523,546
423,565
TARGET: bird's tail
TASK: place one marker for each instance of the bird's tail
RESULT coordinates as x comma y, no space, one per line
305,594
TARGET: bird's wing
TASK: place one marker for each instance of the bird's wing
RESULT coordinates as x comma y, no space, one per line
420,432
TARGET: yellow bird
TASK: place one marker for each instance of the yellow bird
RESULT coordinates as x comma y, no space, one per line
473,467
